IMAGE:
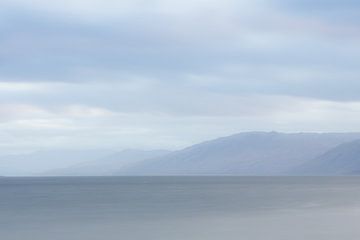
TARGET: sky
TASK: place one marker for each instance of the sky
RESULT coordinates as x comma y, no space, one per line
166,74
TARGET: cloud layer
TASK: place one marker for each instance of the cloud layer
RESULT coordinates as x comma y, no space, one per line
167,74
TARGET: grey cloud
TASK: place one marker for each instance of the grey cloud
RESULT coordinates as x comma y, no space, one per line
345,13
323,4
185,70
47,48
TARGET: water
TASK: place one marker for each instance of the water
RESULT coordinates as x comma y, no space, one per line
180,208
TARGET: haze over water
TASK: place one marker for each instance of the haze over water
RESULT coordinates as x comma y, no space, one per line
177,208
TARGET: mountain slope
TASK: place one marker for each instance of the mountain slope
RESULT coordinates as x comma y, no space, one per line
341,160
108,165
254,153
34,163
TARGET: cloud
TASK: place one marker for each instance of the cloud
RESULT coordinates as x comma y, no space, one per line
33,127
10,112
19,87
112,9
171,73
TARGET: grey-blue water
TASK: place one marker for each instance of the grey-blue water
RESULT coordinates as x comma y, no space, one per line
180,208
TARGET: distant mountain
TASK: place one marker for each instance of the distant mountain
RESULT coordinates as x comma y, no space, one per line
108,165
253,153
33,163
341,160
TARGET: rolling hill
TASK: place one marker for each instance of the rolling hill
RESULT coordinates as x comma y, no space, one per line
107,166
253,153
341,160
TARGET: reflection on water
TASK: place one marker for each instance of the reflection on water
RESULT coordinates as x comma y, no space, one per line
180,208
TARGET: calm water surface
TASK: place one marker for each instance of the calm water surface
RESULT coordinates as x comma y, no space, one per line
180,208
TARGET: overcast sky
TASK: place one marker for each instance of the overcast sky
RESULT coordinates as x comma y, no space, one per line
169,73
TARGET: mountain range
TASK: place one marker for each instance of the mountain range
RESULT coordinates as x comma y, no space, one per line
30,164
341,160
248,154
254,153
108,165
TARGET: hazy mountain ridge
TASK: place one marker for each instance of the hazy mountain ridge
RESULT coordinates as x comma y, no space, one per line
108,165
341,160
41,161
252,153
